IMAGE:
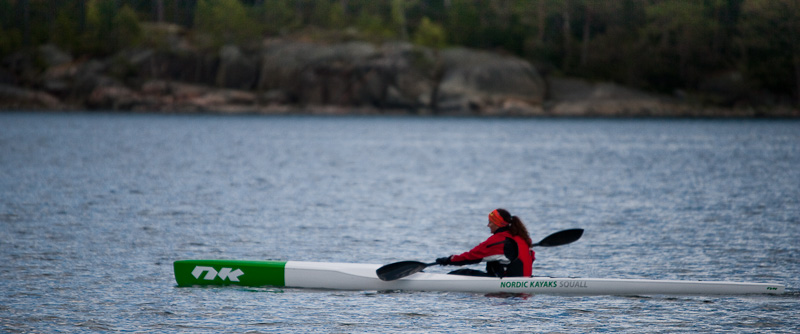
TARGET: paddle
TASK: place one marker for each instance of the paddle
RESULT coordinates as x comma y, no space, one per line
560,238
398,270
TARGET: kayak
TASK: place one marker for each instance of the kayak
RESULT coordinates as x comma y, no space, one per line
358,276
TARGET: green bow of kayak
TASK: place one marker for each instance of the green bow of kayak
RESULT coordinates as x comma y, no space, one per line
227,272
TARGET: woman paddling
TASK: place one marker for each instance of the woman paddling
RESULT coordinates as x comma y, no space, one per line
507,251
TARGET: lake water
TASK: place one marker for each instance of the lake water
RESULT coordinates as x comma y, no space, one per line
94,208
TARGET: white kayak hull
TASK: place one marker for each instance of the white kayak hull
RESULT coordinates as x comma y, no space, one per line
355,276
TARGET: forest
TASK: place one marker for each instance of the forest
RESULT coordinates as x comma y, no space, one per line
748,47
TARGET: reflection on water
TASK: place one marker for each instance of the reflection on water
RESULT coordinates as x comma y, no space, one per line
94,209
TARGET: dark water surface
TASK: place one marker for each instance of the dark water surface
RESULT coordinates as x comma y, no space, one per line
94,208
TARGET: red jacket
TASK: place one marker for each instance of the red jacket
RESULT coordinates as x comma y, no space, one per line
511,252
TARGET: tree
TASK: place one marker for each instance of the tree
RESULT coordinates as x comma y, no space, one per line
611,46
531,22
328,15
372,21
771,38
586,35
109,27
463,23
66,30
279,17
430,34
158,10
679,36
225,22
398,15
10,35
126,32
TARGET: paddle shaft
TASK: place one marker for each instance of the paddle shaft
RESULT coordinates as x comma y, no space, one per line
398,270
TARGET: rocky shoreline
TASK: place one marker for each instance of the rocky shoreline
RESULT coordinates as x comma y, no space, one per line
299,77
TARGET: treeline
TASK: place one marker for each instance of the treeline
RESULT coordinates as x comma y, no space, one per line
746,47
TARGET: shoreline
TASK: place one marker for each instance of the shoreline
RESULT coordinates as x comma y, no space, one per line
309,112
285,77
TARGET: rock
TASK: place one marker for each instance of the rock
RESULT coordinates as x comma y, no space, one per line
282,64
157,88
273,97
85,77
147,64
166,36
53,56
86,84
236,70
576,97
196,67
724,88
285,76
114,98
184,91
59,79
12,97
478,81
76,80
239,97
219,100
569,89
185,97
22,66
396,75
513,107
313,74
6,78
407,76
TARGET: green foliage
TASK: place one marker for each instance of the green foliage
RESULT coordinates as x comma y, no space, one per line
10,40
109,29
6,12
771,36
398,16
225,22
489,24
328,15
100,23
127,31
279,17
430,34
374,25
463,23
65,32
679,38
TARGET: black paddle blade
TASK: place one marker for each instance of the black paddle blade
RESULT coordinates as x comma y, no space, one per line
561,238
398,270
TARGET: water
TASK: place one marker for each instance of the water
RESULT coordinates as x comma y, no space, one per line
94,208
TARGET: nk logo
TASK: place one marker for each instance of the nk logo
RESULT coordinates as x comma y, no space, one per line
211,273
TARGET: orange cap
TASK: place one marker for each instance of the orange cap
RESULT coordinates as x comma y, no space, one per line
497,219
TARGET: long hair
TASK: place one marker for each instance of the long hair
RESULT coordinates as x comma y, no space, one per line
515,226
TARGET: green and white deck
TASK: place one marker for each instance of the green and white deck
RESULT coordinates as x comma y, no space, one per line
355,276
